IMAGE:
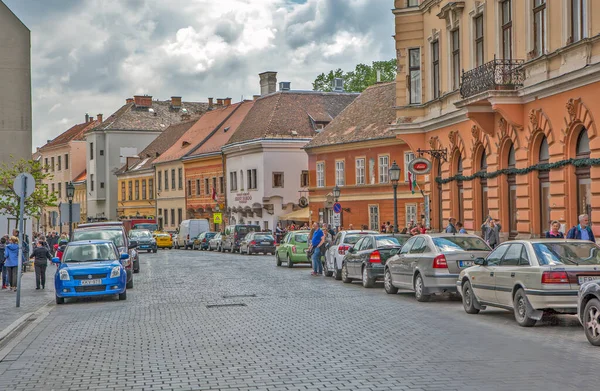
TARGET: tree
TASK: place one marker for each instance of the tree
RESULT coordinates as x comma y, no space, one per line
360,78
34,204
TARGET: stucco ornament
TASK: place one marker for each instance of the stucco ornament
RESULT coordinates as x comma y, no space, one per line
452,136
432,142
571,108
533,119
475,132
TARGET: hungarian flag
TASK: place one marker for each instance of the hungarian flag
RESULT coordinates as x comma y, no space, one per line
214,195
412,182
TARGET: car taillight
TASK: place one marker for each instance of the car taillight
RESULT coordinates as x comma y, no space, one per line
294,249
342,249
555,278
204,240
439,262
375,257
188,237
253,243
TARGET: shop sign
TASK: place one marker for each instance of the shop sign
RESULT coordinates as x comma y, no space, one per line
419,166
243,198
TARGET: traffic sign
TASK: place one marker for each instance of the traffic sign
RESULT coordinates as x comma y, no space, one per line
337,208
217,218
24,181
419,166
337,220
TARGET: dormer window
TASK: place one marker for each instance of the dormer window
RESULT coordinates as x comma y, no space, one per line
184,144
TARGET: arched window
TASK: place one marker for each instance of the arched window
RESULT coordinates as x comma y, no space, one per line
461,195
512,194
544,186
584,183
439,197
484,188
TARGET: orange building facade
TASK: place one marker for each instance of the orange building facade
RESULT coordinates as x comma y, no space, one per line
202,175
512,103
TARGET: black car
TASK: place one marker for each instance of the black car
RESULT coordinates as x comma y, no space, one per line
588,310
366,260
144,238
258,242
200,242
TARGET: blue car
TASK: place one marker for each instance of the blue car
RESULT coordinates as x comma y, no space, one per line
90,268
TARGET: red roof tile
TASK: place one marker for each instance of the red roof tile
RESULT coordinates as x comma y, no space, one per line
81,177
76,133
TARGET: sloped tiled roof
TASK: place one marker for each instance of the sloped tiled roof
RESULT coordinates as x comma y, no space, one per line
158,117
280,114
81,177
367,118
76,132
157,147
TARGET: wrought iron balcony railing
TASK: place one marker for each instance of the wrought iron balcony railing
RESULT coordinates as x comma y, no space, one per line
494,75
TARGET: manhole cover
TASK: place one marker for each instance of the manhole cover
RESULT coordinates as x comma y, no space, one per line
226,305
236,296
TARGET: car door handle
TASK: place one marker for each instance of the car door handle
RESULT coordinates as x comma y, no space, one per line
512,274
491,274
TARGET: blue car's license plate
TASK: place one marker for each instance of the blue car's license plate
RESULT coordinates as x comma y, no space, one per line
91,282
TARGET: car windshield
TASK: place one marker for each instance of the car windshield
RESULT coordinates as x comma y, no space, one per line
352,239
387,241
91,252
567,253
210,235
263,237
114,235
140,235
301,238
244,229
460,243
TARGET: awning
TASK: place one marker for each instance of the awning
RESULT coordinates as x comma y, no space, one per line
298,215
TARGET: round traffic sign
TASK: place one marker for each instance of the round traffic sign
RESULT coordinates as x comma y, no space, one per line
419,166
337,207
24,181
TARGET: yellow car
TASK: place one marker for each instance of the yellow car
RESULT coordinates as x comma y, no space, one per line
163,240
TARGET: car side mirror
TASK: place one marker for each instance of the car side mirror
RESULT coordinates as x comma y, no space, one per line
133,244
480,261
351,250
55,260
123,256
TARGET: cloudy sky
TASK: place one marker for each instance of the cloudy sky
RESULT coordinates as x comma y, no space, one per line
89,55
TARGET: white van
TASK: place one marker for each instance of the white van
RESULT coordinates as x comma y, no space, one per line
188,230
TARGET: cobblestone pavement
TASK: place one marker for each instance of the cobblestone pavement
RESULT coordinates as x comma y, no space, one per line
288,331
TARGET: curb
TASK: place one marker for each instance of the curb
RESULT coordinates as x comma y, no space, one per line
17,323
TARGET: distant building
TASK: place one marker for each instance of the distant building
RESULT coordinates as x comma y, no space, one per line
80,197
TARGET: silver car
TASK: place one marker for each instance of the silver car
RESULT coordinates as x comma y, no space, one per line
430,263
343,241
530,277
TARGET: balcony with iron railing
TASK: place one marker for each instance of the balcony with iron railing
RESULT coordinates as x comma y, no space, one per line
498,74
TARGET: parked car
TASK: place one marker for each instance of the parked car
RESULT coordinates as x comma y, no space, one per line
293,248
90,268
188,230
342,242
530,277
144,238
588,310
258,242
430,263
366,260
214,244
163,240
230,240
115,232
201,241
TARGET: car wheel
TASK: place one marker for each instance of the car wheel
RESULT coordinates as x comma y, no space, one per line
520,309
290,264
345,278
149,251
123,296
366,281
247,250
60,300
277,259
155,250
390,289
337,273
129,284
591,321
328,273
419,289
468,299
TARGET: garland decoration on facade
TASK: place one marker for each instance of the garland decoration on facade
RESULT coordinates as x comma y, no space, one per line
522,171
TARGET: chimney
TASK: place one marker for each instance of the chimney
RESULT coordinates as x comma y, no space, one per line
142,100
87,118
284,86
128,101
129,158
219,102
338,84
99,116
175,102
268,82
210,103
91,119
227,101
255,97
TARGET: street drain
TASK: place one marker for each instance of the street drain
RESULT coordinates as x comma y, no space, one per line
236,296
226,305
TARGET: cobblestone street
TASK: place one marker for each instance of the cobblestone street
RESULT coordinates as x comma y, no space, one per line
287,331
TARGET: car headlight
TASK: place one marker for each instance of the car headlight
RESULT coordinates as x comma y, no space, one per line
115,272
64,275
153,241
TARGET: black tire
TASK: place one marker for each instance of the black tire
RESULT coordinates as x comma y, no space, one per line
468,299
520,309
136,269
419,286
277,259
155,250
345,278
367,282
129,284
123,296
387,283
337,273
591,326
60,300
149,251
290,264
328,273
248,252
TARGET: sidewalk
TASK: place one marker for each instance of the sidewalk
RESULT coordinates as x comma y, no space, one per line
31,299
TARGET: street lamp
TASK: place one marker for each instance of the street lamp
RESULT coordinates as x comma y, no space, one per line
70,193
336,193
394,174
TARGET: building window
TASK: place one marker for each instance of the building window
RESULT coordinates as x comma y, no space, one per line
172,179
242,179
408,157
435,69
137,190
130,188
360,171
159,181
166,179
214,185
304,178
411,213
584,183
479,59
539,30
455,59
179,216
321,174
544,186
339,173
233,180
384,168
102,185
59,190
414,70
166,217
123,192
144,189
52,166
506,12
252,179
59,163
46,167
578,23
102,152
189,188
512,195
221,185
53,189
91,151
151,189
160,212
374,217
180,178
173,215
198,187
66,162
278,179
412,3
92,182
206,187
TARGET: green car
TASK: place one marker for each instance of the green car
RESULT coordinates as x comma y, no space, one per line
292,248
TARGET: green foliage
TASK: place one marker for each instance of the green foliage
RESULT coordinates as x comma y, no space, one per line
41,197
359,79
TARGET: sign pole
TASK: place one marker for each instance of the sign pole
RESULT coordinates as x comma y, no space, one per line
21,236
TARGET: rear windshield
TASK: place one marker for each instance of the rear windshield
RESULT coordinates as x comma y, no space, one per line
163,236
140,234
263,237
567,253
244,229
352,239
386,241
301,238
460,243
116,236
210,235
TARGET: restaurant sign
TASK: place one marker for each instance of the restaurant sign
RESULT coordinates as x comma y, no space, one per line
243,198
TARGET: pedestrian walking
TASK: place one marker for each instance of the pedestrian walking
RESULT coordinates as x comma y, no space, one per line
3,273
582,231
451,228
460,228
11,255
41,255
318,239
554,232
490,230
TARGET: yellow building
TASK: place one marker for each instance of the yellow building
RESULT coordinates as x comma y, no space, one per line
80,197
